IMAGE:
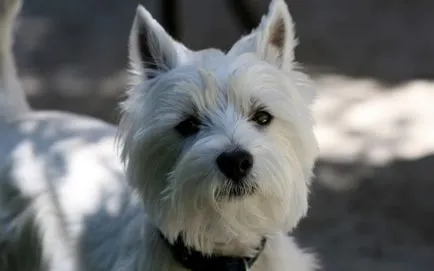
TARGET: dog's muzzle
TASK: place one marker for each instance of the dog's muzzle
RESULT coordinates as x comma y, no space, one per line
235,165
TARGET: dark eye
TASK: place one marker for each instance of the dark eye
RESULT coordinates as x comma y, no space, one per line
188,127
262,118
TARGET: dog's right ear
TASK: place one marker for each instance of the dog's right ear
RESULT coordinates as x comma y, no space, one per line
152,50
274,39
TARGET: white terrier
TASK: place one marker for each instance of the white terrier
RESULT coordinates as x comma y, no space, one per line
220,150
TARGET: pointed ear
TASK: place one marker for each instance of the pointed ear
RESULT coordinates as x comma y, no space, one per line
274,39
152,50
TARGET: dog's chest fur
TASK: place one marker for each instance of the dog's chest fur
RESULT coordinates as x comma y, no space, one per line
140,248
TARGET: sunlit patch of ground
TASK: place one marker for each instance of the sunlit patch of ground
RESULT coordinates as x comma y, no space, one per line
362,120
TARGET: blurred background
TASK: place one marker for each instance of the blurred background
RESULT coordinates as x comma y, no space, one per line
372,205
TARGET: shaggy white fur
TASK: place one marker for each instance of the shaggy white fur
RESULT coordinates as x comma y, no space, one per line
186,116
186,108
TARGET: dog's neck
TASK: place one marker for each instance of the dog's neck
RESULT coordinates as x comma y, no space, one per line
195,260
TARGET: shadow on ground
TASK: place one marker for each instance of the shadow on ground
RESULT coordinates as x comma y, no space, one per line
385,222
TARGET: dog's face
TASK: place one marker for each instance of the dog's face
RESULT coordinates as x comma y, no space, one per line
219,145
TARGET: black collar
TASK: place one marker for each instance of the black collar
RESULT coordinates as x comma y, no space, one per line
194,260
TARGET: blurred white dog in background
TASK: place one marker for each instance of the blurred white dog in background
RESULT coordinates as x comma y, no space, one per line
55,168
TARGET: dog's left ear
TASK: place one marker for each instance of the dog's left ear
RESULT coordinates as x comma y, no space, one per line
274,39
152,50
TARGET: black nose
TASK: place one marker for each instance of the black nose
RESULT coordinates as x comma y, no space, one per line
235,165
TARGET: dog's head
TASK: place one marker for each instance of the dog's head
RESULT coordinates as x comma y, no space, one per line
219,145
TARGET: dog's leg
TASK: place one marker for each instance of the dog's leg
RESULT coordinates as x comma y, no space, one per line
12,98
